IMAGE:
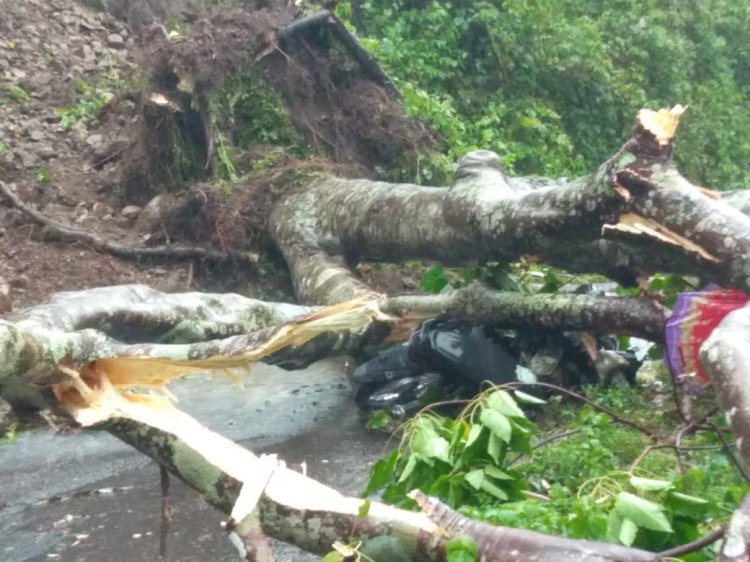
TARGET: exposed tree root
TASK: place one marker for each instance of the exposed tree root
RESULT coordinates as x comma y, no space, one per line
101,244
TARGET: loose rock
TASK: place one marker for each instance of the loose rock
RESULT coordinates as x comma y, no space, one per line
131,212
116,41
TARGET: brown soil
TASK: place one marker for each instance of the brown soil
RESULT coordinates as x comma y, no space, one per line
88,172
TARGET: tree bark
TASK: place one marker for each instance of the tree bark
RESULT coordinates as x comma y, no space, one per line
636,199
92,347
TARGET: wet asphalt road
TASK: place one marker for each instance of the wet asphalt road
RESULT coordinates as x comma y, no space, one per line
107,498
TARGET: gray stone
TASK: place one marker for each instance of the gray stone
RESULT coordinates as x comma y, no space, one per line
122,222
28,158
94,140
131,211
151,216
6,416
101,210
115,41
45,151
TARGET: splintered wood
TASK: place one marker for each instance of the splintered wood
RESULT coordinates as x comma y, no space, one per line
663,123
631,223
104,384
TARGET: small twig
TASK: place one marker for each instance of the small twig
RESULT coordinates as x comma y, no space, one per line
430,407
103,245
544,442
166,512
697,544
534,496
611,413
647,451
728,448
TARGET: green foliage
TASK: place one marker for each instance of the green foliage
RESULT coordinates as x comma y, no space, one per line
10,435
553,86
458,460
43,174
347,553
380,420
598,478
227,171
17,93
460,549
90,102
518,278
254,114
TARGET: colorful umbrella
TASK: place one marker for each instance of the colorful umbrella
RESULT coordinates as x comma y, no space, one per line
694,317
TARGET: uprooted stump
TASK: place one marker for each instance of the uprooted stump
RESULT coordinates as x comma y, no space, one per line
337,100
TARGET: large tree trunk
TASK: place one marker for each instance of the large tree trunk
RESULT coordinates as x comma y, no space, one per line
88,347
635,215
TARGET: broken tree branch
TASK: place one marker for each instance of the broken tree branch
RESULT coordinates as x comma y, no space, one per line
365,60
736,545
299,510
726,358
636,317
501,543
107,328
484,216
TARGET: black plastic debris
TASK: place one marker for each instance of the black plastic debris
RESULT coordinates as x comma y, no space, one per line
449,358
465,354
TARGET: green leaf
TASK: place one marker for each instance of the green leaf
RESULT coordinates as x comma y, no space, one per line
528,398
43,174
364,509
628,531
475,478
497,423
382,472
460,549
492,489
411,464
494,472
689,499
379,420
333,556
434,280
614,524
642,512
649,485
430,448
474,433
503,402
495,448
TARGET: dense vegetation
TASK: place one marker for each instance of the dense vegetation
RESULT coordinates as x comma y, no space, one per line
553,85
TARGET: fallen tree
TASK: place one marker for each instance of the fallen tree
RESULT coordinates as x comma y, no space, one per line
94,352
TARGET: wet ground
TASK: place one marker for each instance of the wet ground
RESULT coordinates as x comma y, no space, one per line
88,497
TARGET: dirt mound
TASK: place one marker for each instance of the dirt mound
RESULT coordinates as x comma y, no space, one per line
329,98
65,123
95,121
